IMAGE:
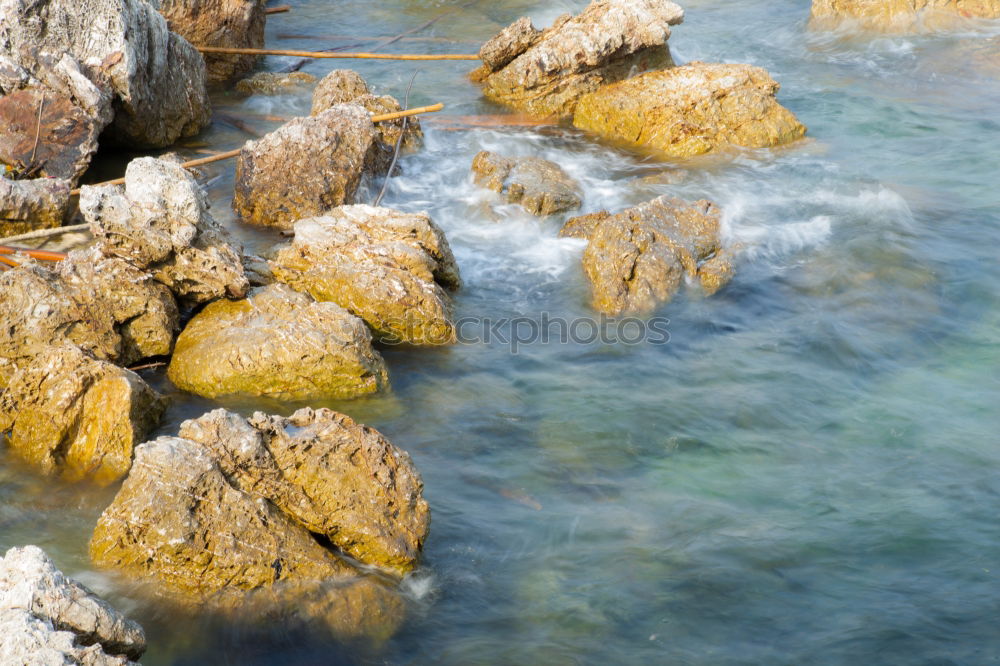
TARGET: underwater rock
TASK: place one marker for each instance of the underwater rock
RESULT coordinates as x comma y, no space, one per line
27,205
637,259
545,73
159,223
387,267
307,166
74,416
280,344
344,86
274,83
47,618
691,110
896,16
229,23
540,186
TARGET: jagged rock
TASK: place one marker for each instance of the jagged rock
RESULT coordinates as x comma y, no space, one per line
156,78
277,343
690,110
102,305
228,23
540,186
343,86
160,223
387,267
274,83
716,272
901,15
546,73
26,205
72,415
333,476
179,521
307,166
636,260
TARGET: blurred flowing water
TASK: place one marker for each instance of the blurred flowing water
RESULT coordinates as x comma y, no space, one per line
806,473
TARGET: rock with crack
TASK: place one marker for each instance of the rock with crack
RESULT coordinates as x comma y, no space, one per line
277,343
227,23
308,166
392,269
541,187
691,110
159,223
900,16
47,618
77,417
344,86
637,259
546,72
274,83
27,205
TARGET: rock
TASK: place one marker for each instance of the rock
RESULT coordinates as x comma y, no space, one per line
307,166
155,77
716,272
691,110
636,260
228,23
102,305
160,223
335,477
546,73
582,226
280,344
274,83
72,415
27,205
540,186
387,267
47,618
343,86
900,15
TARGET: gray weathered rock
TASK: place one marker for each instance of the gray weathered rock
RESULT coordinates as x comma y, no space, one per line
26,205
344,86
540,186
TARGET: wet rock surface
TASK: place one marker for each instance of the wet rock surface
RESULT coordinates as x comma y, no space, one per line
392,269
47,618
274,83
344,86
545,73
541,187
691,110
26,205
900,15
277,343
307,166
637,259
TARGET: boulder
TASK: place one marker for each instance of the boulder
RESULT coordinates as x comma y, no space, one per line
47,618
900,15
636,260
280,344
72,415
390,268
307,166
343,86
26,205
274,83
159,223
103,305
691,110
228,23
540,186
545,73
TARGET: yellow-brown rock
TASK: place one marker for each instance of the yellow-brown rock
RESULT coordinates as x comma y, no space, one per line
274,83
231,23
896,16
691,110
344,86
540,186
27,205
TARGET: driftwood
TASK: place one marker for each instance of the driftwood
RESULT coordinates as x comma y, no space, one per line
280,9
324,54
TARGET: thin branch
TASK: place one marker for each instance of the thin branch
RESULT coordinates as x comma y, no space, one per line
324,54
399,141
38,128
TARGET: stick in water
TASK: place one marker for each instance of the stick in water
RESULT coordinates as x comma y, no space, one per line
399,142
326,54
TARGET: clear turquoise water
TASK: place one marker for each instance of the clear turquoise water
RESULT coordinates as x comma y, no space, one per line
806,473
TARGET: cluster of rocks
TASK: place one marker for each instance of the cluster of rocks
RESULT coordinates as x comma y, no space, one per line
900,15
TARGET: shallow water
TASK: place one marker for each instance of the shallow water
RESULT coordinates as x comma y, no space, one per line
805,473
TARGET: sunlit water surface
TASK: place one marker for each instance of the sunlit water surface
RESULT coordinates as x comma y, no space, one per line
806,473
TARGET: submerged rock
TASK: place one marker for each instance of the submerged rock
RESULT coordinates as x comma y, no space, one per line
274,83
545,73
277,343
900,15
387,267
344,86
229,23
26,205
47,618
307,166
72,415
636,260
690,110
159,222
540,186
